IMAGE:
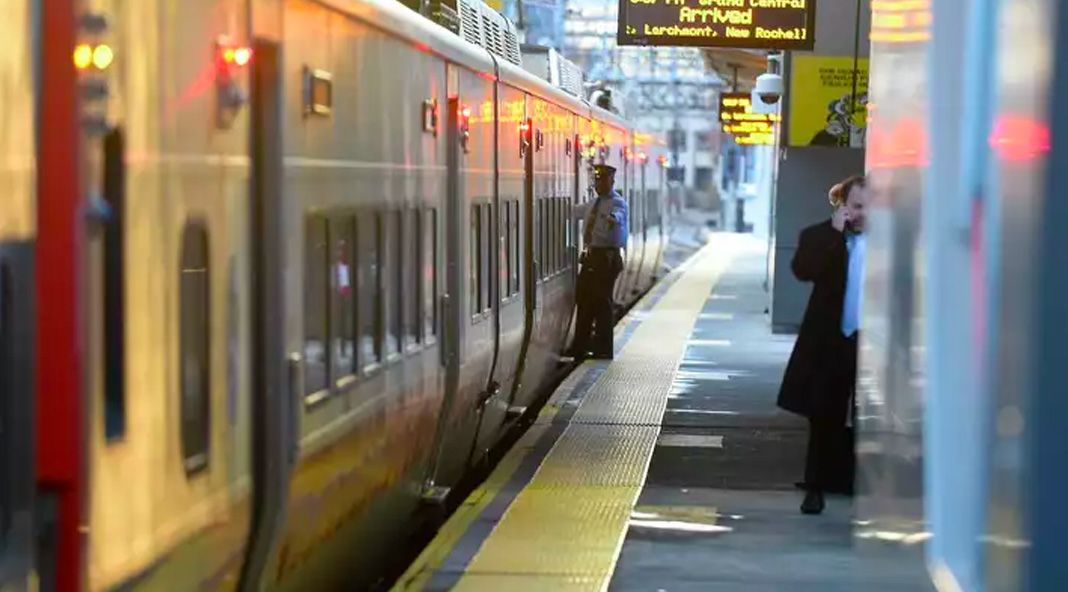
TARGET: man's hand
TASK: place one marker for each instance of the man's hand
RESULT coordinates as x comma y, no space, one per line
840,218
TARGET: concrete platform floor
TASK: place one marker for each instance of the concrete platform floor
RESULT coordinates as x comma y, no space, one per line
719,511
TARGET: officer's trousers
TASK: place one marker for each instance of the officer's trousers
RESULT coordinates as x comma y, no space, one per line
595,320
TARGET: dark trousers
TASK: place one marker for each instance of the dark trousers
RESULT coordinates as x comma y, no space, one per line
830,465
595,320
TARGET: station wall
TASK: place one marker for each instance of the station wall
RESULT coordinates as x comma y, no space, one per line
807,172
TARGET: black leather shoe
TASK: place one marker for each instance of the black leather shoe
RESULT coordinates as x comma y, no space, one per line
813,503
603,356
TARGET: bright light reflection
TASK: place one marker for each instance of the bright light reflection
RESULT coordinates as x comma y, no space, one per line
682,526
709,342
904,538
702,411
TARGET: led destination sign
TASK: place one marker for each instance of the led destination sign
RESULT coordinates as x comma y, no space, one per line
737,118
752,24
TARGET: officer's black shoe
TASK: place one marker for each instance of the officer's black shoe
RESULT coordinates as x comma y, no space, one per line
602,356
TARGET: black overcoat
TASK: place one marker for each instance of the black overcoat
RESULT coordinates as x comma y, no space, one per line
821,373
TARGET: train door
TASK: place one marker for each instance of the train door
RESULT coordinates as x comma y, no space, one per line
494,401
466,343
511,176
479,191
17,297
531,266
168,420
276,365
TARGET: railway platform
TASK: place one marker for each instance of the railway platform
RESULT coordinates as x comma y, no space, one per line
668,469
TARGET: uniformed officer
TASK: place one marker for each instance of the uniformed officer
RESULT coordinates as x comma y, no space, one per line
605,235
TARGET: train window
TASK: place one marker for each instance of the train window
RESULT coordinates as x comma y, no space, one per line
195,346
550,235
639,211
535,233
568,237
369,284
343,315
543,244
6,305
502,255
484,274
430,275
550,230
539,242
316,304
517,249
395,303
568,223
632,219
508,246
559,238
413,290
476,232
553,229
539,238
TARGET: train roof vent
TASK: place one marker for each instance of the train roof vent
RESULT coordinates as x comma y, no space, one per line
511,44
554,68
485,27
470,24
570,76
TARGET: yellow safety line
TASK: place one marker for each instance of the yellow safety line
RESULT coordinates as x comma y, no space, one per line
565,530
419,573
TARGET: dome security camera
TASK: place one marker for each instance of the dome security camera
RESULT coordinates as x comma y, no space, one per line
768,88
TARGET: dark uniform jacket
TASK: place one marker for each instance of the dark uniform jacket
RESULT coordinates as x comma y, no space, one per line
821,372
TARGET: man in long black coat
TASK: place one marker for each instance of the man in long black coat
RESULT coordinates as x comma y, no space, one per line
820,378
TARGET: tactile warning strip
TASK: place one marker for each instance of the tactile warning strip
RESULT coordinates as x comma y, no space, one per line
564,531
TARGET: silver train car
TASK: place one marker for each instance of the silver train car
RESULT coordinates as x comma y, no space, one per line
297,267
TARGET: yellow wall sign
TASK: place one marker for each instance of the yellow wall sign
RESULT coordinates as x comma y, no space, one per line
822,110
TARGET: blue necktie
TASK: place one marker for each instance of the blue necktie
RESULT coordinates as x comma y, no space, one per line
854,282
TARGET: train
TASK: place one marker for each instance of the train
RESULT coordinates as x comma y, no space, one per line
274,276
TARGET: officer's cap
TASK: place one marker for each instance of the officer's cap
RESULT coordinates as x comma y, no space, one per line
604,170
